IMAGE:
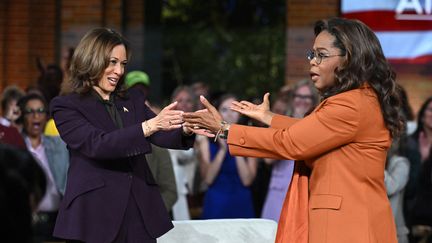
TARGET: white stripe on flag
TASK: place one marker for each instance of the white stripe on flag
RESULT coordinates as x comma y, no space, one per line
349,6
406,44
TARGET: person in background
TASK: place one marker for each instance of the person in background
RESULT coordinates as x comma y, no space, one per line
396,176
185,162
418,149
22,186
303,98
10,110
11,136
159,160
228,178
138,80
200,88
52,156
337,193
111,194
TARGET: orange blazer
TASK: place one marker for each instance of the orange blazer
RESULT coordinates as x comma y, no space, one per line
343,143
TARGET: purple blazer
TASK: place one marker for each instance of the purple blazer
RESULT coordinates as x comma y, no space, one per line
107,165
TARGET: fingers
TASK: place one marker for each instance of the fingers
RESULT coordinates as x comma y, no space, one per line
170,106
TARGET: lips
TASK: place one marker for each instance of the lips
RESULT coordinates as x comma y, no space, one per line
314,76
113,81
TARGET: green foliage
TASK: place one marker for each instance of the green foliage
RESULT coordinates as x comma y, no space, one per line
227,47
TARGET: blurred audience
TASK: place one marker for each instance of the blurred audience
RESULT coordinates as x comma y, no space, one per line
159,159
184,161
302,98
52,156
228,177
10,110
200,88
11,136
396,176
22,186
418,152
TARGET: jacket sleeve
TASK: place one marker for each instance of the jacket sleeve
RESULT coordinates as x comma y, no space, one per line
280,121
396,176
332,125
81,135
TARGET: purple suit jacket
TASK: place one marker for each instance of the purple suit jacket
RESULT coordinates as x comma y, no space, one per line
107,165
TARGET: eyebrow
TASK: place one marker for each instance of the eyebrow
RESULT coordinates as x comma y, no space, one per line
118,59
321,49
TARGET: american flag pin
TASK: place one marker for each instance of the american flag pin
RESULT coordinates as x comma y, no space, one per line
125,109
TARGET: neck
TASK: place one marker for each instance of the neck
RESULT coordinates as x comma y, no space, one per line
104,94
35,141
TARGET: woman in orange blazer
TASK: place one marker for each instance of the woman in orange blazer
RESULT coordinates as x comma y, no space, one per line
337,194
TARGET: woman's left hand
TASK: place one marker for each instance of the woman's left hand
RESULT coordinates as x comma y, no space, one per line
167,119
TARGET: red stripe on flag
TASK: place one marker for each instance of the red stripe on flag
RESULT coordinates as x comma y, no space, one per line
386,21
418,60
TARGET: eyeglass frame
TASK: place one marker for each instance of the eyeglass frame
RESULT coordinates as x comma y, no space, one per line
39,111
310,55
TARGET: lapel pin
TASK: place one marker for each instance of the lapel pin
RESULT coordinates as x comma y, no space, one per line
125,109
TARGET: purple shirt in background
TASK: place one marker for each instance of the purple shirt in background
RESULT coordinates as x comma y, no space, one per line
279,182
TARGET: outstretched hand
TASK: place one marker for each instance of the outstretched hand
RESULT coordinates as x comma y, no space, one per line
168,118
259,112
205,122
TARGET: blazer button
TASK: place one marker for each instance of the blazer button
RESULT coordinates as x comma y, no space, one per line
242,141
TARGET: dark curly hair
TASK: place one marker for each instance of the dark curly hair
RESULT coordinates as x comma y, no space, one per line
91,58
364,63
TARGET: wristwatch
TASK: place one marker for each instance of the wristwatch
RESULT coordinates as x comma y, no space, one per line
224,133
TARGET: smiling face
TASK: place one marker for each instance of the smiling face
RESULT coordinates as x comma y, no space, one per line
35,118
113,72
323,74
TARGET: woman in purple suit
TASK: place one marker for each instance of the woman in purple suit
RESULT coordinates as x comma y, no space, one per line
111,195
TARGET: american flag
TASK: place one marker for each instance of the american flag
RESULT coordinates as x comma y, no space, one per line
404,27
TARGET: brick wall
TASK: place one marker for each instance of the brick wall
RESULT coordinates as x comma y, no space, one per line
301,16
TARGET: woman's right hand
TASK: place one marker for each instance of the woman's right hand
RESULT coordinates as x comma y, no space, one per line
259,112
167,119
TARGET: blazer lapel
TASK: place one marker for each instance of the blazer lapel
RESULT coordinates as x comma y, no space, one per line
97,113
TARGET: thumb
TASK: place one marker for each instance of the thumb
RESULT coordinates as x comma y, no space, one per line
171,106
207,104
266,99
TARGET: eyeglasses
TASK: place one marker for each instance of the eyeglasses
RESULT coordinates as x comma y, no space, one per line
39,111
303,97
311,54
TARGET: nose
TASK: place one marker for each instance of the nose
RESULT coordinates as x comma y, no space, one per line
119,69
313,61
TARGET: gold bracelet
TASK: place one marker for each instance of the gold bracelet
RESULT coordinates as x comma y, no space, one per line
147,129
